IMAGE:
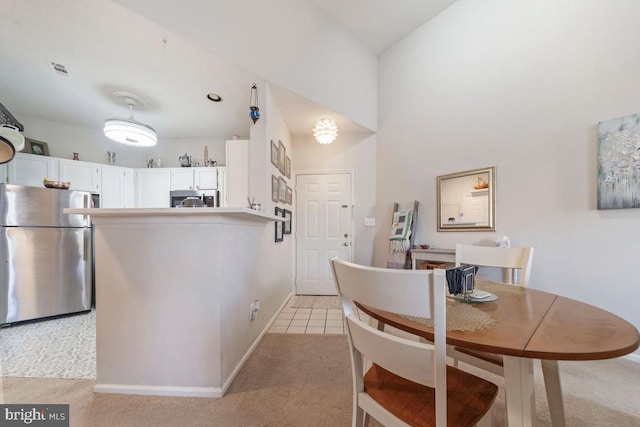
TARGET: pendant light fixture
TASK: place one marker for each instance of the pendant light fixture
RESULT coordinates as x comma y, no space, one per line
254,111
130,131
325,131
11,141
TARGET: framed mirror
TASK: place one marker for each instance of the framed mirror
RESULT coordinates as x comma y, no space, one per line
467,200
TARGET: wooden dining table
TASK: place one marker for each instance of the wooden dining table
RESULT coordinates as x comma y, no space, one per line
527,324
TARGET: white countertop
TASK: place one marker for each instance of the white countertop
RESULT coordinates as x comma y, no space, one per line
240,213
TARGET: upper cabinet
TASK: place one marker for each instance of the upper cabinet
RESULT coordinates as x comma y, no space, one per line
207,178
83,176
182,179
31,169
117,187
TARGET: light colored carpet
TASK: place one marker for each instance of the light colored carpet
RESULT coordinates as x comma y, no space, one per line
64,347
305,380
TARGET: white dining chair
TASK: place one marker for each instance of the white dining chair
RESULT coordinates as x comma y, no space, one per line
404,382
516,266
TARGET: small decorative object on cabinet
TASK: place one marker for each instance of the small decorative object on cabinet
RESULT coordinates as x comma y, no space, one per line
111,157
279,226
76,156
36,147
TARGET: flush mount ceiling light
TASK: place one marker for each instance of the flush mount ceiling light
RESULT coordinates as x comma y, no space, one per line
130,131
325,131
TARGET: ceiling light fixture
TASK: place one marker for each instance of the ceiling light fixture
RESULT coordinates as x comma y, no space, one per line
11,141
325,131
130,131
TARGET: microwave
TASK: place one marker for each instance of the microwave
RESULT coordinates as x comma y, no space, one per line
210,198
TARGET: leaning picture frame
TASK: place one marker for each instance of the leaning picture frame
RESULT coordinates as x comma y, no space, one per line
274,188
282,155
35,147
286,213
274,154
279,226
282,189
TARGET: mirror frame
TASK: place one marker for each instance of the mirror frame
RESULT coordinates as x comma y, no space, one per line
491,226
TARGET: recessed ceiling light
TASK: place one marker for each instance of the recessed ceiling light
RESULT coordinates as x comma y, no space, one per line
214,97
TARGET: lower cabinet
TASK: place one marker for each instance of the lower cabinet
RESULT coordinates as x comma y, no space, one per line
152,188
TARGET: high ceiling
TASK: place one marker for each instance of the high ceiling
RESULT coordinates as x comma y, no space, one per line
106,48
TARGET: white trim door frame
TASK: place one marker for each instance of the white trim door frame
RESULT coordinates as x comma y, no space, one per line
325,227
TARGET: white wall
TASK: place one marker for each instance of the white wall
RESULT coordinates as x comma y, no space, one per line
520,85
355,152
288,42
92,146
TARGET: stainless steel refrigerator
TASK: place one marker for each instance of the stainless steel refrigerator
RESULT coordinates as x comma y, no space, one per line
45,255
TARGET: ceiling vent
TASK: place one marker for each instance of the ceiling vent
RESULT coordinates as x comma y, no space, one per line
59,69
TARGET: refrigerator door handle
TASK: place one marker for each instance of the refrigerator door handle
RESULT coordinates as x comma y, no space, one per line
85,247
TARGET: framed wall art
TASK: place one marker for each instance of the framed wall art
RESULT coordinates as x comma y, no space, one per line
282,154
282,189
274,154
35,147
288,196
287,167
279,226
286,213
274,188
618,179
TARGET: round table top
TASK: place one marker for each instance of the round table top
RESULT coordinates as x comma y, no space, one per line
534,324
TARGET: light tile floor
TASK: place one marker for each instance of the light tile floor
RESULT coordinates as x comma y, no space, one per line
310,316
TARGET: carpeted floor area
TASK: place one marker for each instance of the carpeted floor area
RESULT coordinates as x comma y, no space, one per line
305,380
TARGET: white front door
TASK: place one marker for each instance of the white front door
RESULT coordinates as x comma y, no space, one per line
324,218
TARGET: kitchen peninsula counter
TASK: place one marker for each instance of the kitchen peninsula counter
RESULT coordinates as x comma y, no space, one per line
173,290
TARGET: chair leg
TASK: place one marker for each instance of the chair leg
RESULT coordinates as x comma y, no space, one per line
359,417
367,419
552,385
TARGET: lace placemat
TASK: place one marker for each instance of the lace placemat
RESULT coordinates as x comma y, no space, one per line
500,289
460,317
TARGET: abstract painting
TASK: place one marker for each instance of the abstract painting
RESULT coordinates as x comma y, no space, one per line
619,163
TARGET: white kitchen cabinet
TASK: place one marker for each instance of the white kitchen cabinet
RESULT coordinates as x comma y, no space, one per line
117,190
32,169
237,182
152,188
206,178
222,187
83,176
182,179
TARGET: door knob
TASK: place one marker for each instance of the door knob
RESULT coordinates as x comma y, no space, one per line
345,244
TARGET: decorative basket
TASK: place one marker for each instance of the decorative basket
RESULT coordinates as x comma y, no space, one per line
56,184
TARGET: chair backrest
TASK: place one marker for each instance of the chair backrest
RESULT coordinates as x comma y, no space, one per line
509,259
419,293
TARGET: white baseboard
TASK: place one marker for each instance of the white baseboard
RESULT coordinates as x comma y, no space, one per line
210,392
253,346
158,390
